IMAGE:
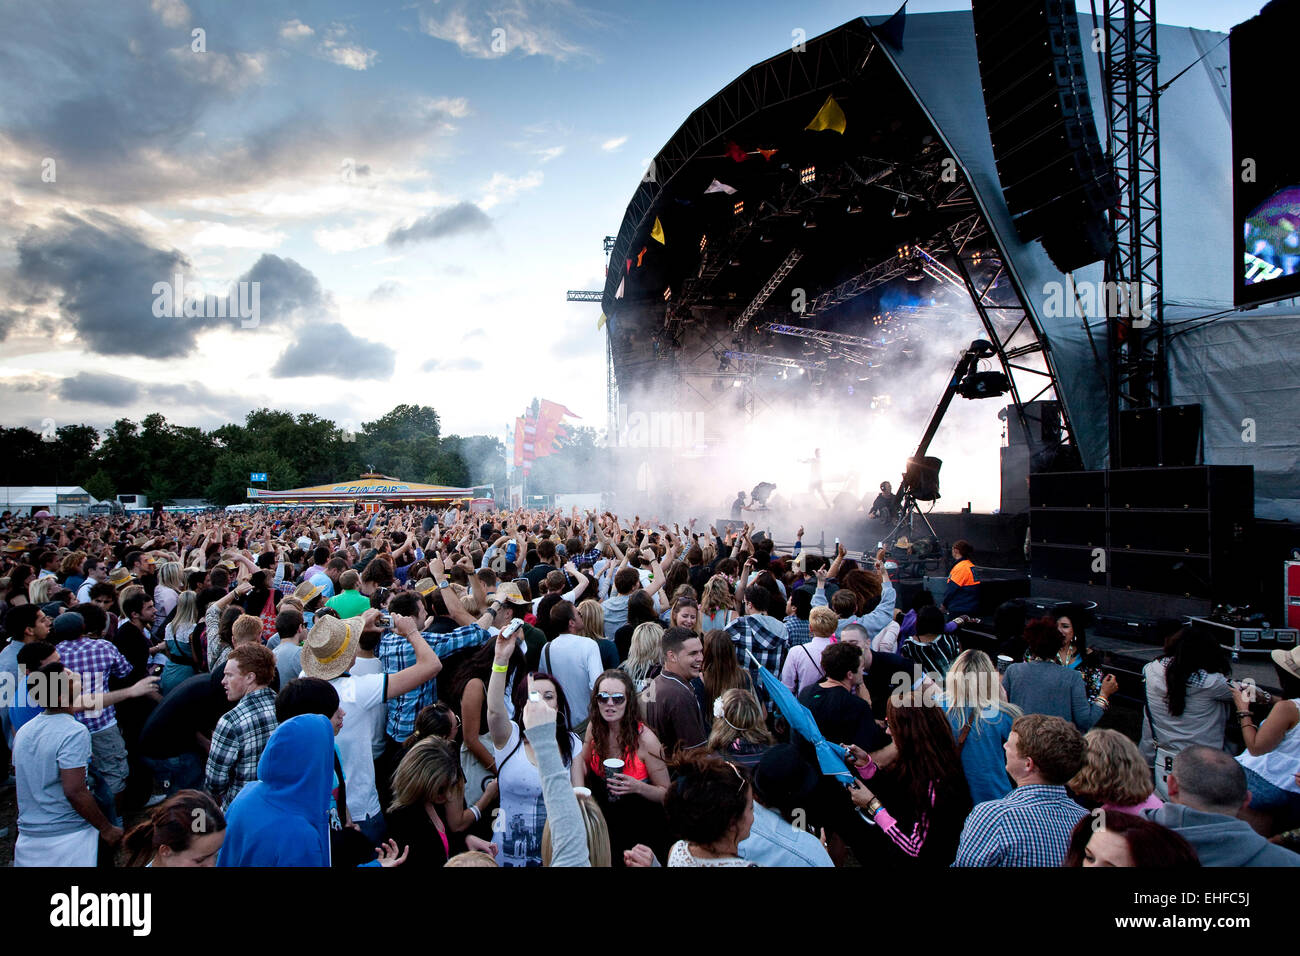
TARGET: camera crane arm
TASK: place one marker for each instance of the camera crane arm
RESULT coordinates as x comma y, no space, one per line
967,363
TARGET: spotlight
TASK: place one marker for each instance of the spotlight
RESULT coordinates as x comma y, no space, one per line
802,371
808,175
704,241
915,271
668,293
736,383
739,207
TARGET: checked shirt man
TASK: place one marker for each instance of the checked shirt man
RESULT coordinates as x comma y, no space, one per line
242,732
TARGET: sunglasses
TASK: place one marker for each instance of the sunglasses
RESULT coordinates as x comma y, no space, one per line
611,698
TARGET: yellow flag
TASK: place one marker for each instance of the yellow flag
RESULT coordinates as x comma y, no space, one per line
601,324
657,233
830,116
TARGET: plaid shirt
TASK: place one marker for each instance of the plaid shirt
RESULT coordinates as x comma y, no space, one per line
237,744
1028,827
798,630
396,653
94,661
755,633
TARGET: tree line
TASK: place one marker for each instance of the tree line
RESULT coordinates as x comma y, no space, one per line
167,462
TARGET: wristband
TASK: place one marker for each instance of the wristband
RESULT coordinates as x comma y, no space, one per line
500,668
478,814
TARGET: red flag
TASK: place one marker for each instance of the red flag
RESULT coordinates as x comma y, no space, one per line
640,255
735,152
519,442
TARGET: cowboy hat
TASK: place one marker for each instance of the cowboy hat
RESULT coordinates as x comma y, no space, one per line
425,586
120,578
307,592
1289,661
508,592
331,646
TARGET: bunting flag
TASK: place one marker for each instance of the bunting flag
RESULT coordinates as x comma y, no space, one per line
519,442
830,116
735,152
641,255
601,323
891,31
621,283
717,187
767,153
657,233
549,427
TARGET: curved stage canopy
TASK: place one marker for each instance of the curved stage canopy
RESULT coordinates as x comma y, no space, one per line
369,487
889,220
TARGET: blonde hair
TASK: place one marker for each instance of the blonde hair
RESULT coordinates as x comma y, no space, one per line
429,773
822,621
39,591
598,852
472,858
170,576
742,718
1114,770
187,611
644,652
717,595
593,618
973,684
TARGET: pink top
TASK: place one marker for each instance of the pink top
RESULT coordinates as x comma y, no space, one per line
1150,803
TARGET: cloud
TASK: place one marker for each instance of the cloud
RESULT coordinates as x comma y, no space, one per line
100,272
287,288
97,388
464,217
502,187
549,153
513,26
452,365
330,349
351,55
173,13
295,30
610,145
386,291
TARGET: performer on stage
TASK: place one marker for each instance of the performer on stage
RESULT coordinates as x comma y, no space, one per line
815,475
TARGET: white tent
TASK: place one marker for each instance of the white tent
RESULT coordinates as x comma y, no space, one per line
57,499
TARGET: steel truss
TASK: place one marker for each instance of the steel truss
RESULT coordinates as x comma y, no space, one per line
1136,343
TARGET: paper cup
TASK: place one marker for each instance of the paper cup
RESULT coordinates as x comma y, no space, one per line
612,766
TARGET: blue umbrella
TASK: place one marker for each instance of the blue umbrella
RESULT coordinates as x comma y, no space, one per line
830,757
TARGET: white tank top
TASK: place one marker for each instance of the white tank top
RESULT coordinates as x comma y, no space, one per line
1280,765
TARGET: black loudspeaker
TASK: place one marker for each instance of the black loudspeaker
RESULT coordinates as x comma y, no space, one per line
1175,531
1055,177
922,477
1160,437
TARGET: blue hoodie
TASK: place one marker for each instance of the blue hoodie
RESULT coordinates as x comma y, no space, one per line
282,819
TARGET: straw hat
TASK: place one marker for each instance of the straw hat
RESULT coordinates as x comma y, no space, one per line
307,592
508,592
426,586
330,646
1289,661
15,546
120,578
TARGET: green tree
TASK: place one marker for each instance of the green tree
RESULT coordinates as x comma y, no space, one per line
99,485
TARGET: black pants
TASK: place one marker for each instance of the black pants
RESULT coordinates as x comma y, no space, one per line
385,765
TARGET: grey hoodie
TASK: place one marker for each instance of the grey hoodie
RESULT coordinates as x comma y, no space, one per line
1221,840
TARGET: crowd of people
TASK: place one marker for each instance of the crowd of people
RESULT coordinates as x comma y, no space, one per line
428,687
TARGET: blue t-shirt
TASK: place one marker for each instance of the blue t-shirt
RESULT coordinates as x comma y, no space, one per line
982,758
21,711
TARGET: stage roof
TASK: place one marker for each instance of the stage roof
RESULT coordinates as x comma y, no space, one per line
1241,367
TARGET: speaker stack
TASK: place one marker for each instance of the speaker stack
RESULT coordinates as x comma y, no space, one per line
1154,541
1055,177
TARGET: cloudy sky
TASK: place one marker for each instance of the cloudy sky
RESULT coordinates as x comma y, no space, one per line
413,185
